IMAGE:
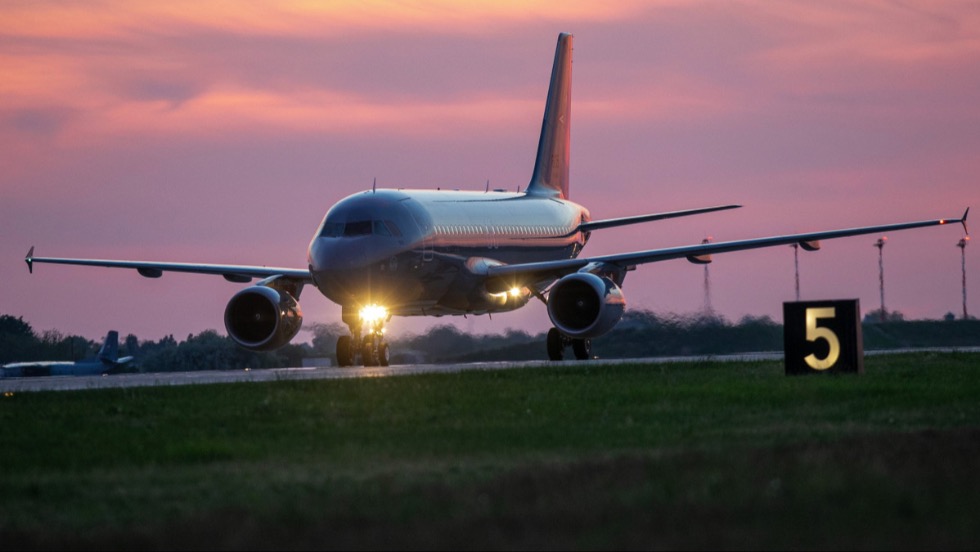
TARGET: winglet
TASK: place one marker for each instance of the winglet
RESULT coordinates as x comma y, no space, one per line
29,259
963,221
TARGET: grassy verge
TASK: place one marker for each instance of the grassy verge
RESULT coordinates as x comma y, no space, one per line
729,455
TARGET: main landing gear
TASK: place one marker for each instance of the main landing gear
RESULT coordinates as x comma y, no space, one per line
557,342
371,346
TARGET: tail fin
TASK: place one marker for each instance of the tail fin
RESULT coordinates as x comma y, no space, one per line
550,176
110,347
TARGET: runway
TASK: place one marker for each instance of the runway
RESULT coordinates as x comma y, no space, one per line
69,383
74,383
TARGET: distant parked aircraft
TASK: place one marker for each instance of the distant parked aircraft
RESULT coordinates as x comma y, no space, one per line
399,252
106,362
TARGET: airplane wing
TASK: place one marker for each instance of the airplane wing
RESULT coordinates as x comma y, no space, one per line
506,276
610,223
232,273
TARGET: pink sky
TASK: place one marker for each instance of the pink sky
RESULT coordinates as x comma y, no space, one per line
175,132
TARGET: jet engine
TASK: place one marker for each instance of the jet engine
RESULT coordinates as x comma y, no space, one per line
584,305
262,318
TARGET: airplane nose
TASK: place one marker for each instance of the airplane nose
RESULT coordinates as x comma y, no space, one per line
354,270
341,255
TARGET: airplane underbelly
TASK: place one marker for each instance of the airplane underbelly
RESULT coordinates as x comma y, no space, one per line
431,285
392,282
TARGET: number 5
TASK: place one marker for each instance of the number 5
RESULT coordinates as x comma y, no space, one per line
814,332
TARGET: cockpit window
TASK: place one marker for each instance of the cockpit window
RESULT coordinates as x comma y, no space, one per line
332,230
360,228
392,228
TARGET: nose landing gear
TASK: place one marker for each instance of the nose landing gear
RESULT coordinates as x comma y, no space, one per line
369,345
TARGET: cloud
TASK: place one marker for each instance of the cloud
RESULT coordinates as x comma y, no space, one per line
871,34
184,67
223,130
222,113
38,121
122,18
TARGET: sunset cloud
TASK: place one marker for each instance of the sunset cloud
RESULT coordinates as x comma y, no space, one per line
113,19
118,68
225,129
224,112
890,33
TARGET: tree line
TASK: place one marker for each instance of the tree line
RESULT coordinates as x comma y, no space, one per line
208,350
641,333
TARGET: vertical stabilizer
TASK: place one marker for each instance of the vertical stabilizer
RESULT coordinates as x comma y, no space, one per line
550,176
110,347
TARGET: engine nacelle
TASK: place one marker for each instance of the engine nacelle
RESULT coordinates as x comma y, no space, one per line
583,305
261,318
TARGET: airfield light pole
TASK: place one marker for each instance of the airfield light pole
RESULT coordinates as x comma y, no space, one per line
708,310
962,245
796,268
880,244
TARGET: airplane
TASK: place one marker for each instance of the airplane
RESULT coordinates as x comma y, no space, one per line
398,252
107,361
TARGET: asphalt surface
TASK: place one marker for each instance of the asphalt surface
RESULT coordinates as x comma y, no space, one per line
66,383
70,383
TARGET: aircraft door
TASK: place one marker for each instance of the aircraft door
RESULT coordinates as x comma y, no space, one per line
425,229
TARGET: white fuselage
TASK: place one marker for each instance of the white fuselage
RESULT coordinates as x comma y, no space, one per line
424,252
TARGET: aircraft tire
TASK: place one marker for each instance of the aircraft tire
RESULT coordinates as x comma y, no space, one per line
384,354
369,354
556,345
344,353
582,348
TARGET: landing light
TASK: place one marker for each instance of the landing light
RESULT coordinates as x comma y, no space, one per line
503,297
373,313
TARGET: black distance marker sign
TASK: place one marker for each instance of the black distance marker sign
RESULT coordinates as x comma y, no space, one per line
823,336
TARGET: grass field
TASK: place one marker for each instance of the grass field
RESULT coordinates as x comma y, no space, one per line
699,455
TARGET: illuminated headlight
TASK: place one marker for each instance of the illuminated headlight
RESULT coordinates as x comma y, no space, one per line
504,296
373,313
